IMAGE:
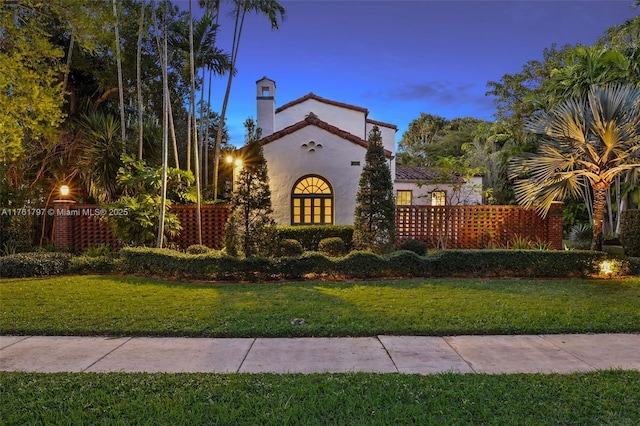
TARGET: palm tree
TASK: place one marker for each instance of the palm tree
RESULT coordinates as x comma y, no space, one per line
273,10
585,143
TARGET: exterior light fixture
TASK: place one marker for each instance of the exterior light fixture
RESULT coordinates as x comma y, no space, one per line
64,190
237,166
606,268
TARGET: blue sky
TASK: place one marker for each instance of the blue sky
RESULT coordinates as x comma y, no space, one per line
401,58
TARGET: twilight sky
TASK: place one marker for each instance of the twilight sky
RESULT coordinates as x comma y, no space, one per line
400,58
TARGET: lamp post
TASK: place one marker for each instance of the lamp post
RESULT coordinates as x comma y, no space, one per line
62,219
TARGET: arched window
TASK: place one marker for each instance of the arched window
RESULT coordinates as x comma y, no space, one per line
312,202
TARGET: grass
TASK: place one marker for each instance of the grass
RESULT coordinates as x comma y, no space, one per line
135,306
606,397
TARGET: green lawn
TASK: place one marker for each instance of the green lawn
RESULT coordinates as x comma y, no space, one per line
125,305
608,397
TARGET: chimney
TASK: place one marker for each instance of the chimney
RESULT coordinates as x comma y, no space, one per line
266,103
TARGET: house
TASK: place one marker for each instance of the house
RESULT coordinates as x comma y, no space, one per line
315,150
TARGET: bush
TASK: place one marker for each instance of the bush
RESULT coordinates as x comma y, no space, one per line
416,246
289,247
34,264
361,264
407,263
198,249
94,265
630,232
333,247
580,236
310,236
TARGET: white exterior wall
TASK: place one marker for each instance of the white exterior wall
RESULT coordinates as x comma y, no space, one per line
470,194
346,119
287,162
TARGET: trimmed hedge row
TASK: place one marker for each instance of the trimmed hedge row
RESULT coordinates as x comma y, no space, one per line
362,264
357,264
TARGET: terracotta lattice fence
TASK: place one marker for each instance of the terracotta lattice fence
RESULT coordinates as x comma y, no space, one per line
475,227
468,227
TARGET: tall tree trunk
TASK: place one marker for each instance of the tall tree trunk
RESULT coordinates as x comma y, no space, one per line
120,85
165,133
173,134
237,32
206,130
195,128
139,81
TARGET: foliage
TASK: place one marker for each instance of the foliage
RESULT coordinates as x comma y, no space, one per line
407,263
581,234
290,247
138,215
310,236
416,246
94,264
251,229
32,94
585,144
333,247
198,249
630,232
374,216
34,264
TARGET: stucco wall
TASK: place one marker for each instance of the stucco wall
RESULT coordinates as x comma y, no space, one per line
288,161
470,194
346,119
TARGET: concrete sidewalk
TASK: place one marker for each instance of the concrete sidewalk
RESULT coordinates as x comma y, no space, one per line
383,354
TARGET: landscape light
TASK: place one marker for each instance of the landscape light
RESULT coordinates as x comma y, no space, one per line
606,268
64,190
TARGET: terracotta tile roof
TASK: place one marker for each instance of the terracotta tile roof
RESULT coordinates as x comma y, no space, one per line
313,120
417,174
323,100
383,124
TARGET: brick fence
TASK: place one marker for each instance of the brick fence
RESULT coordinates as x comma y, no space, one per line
473,227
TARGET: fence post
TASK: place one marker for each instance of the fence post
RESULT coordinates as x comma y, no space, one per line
554,225
63,224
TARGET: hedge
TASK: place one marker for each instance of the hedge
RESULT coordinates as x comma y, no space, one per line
357,264
630,232
310,236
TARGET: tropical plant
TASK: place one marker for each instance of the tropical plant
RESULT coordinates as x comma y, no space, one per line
585,143
374,217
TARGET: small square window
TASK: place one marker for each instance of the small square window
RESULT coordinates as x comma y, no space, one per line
404,198
438,198
266,91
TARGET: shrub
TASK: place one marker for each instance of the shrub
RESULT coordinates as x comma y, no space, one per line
361,264
101,250
34,264
289,247
519,243
407,263
198,249
310,236
630,232
580,236
333,247
416,246
94,264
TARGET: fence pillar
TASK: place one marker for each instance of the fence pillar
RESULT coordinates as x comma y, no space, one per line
554,225
62,224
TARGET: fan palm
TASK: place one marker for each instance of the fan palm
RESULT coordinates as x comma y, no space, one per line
585,143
